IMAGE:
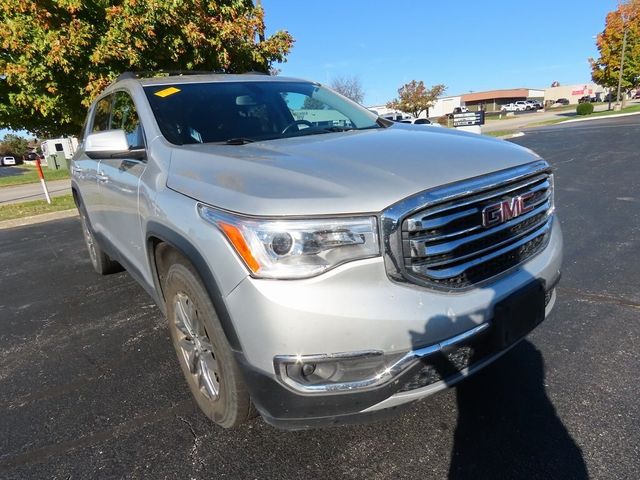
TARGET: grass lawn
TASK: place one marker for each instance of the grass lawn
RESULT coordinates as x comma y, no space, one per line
501,133
22,174
36,207
631,109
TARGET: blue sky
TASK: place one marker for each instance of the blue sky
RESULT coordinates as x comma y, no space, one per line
467,45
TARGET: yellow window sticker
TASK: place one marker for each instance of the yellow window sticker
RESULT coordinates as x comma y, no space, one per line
167,91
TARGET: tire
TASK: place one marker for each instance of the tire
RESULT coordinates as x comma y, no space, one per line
100,261
204,354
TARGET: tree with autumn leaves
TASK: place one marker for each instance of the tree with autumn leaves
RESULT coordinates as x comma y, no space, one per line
56,56
415,98
605,70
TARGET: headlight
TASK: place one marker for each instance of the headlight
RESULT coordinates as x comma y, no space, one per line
287,249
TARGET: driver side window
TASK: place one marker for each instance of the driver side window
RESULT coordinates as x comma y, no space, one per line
125,117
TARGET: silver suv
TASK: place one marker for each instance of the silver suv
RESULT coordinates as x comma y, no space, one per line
316,264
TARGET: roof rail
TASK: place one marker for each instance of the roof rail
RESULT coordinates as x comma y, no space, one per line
162,73
176,73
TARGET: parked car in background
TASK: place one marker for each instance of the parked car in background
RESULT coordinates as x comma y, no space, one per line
587,99
420,121
30,156
563,101
8,160
534,104
524,104
512,107
637,95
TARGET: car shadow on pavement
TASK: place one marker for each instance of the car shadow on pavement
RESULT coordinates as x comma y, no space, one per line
507,426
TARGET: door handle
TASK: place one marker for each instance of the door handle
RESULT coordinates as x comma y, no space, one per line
75,169
102,177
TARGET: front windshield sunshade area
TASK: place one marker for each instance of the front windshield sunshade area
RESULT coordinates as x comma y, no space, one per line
242,112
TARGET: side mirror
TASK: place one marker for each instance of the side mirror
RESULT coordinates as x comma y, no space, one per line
111,144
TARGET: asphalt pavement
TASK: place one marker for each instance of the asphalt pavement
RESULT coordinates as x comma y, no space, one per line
90,386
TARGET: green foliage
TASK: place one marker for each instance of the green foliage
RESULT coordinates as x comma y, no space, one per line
584,109
415,98
36,207
14,145
605,70
28,174
57,55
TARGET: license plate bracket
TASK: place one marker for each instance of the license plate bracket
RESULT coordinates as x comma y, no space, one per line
518,314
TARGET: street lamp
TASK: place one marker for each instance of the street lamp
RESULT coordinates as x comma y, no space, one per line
618,106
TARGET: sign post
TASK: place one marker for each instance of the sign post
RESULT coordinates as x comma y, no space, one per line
44,185
469,122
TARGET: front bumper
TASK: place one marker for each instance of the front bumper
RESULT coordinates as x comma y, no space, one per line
357,308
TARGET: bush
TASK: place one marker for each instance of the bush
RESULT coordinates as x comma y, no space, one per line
443,120
584,109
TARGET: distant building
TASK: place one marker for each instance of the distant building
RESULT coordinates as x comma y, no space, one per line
575,92
493,100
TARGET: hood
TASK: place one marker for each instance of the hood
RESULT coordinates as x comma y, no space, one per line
336,173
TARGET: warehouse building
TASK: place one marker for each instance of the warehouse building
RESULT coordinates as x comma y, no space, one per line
573,93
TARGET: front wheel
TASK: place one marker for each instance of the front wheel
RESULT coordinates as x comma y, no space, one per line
100,261
204,354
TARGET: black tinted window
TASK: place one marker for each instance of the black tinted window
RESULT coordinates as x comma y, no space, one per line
125,117
220,111
102,115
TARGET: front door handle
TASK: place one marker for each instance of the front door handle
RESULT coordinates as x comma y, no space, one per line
75,169
102,177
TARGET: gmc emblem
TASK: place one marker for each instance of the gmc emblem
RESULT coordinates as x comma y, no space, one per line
506,210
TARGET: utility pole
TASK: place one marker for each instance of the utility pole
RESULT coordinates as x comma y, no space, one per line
618,106
261,32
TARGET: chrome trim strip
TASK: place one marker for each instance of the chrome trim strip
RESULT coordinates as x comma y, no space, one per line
510,188
458,269
391,219
450,246
405,362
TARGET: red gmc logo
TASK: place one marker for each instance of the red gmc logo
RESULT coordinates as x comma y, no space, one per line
506,210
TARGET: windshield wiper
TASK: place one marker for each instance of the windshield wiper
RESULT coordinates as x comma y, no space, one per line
238,141
337,129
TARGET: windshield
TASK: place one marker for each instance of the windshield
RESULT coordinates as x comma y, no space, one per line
240,112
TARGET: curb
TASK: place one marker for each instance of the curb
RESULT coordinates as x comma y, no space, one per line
601,117
45,217
512,135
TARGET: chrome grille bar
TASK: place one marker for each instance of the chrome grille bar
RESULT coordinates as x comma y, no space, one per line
447,243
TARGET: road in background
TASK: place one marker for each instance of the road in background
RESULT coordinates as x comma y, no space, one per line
90,386
524,119
33,191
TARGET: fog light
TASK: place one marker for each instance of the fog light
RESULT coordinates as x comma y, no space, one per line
330,373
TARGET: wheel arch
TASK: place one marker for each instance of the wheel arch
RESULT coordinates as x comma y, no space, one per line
161,243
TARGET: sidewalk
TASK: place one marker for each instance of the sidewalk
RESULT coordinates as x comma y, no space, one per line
33,191
525,119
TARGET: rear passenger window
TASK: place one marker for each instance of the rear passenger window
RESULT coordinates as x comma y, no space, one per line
102,115
125,117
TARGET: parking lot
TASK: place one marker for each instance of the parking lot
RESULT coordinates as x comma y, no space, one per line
90,386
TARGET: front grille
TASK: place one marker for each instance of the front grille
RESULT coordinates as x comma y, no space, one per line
446,244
